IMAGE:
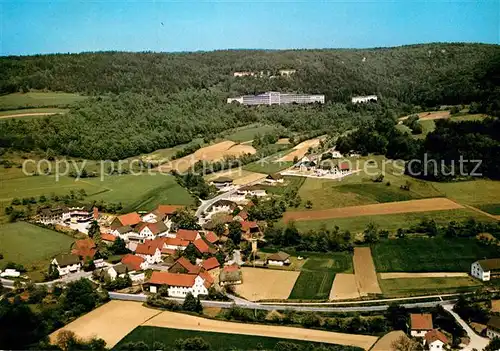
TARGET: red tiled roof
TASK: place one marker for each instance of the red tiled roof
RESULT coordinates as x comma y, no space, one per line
210,263
247,225
108,237
172,279
434,335
187,234
133,262
176,242
129,219
149,247
211,237
168,209
421,321
155,228
85,248
231,268
344,166
243,214
208,279
168,251
202,246
191,268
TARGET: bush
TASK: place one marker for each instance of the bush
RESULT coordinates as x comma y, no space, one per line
195,343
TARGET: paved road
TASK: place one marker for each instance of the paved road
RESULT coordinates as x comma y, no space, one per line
257,306
476,342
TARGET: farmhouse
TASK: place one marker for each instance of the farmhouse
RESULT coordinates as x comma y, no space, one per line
67,263
202,247
211,237
278,259
363,99
150,250
123,232
223,206
187,234
420,324
85,248
130,219
222,182
134,262
249,229
182,265
435,340
151,230
108,238
230,275
486,269
274,178
180,284
251,190
212,266
173,244
493,327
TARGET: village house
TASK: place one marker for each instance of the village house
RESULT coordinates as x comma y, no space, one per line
124,232
251,190
230,275
150,250
182,265
222,206
179,285
241,216
122,270
486,269
107,238
53,215
211,237
130,219
278,259
212,266
274,178
163,213
85,249
187,234
202,247
134,262
493,327
67,263
343,168
249,229
173,244
151,230
9,273
420,324
81,214
435,340
222,183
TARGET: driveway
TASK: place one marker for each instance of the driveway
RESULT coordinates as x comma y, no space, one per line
476,342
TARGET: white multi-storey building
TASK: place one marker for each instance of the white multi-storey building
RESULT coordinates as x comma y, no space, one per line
362,99
277,98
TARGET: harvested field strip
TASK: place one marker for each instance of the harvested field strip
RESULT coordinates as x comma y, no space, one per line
430,115
312,285
238,175
418,286
266,284
183,321
364,270
423,205
423,275
110,322
385,342
344,287
300,150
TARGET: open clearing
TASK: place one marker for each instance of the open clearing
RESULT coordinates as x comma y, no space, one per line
38,99
217,341
364,271
210,153
266,284
423,275
300,150
344,287
248,132
110,322
429,254
422,205
27,244
184,321
430,115
385,342
421,286
238,175
32,112
475,192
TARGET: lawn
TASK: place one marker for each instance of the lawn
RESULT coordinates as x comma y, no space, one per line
429,255
247,133
13,113
217,341
166,154
392,222
420,286
38,99
27,244
289,183
268,165
473,192
317,275
493,209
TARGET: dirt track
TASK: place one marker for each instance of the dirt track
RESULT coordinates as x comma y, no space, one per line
422,275
364,271
30,114
183,321
385,342
265,284
344,287
434,204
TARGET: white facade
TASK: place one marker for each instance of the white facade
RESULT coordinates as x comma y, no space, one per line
477,272
436,345
277,263
362,99
9,273
490,333
150,218
72,268
419,333
152,259
277,98
274,181
181,291
257,192
146,233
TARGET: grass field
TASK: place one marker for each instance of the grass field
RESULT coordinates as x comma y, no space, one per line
392,222
429,255
248,132
317,275
38,99
493,209
268,164
289,183
474,192
419,286
28,244
37,112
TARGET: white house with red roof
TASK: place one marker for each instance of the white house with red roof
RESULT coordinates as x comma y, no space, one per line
130,219
135,262
187,234
173,244
150,250
151,230
212,266
203,247
435,340
420,324
179,284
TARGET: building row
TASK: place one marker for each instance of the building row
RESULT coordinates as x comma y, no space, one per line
277,98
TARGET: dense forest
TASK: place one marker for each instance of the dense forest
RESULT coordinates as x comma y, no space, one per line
146,101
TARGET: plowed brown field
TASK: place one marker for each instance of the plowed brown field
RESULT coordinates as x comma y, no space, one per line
300,150
344,287
364,271
430,115
434,204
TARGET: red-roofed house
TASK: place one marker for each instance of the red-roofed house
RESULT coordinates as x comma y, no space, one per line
186,234
203,247
420,324
173,244
211,237
108,238
344,167
435,340
180,284
182,265
212,266
231,275
249,229
131,219
150,250
151,230
134,262
85,248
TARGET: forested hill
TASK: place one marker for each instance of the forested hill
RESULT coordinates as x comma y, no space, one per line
427,74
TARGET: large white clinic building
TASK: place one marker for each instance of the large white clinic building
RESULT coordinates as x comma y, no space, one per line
277,98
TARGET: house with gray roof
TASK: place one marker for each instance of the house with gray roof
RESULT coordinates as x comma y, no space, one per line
485,270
